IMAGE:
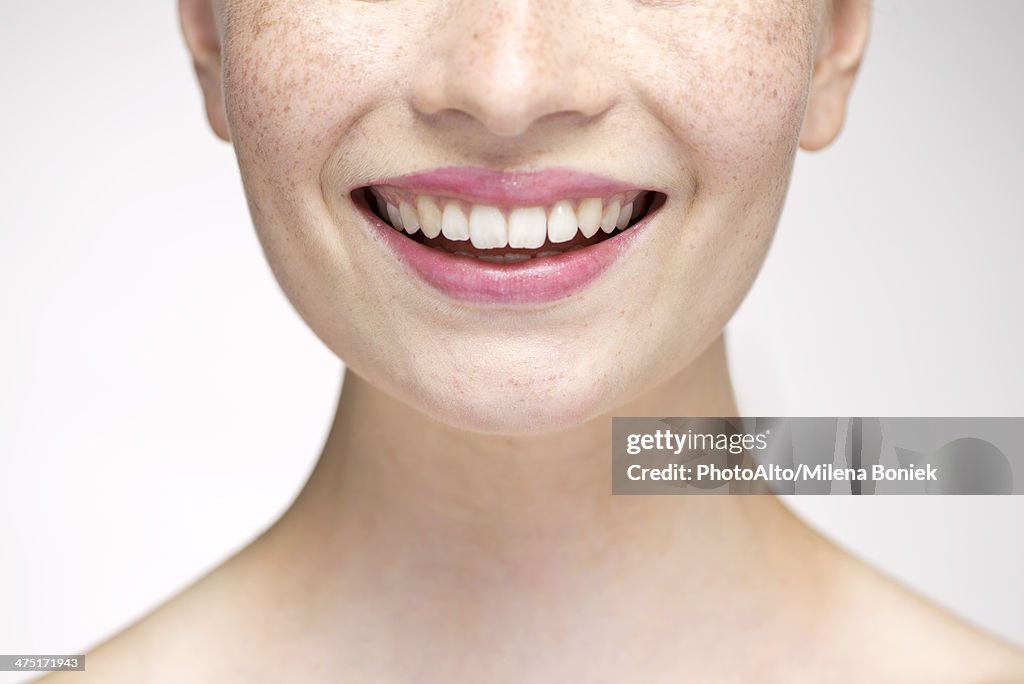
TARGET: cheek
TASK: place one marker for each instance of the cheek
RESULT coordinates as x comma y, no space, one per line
296,77
731,85
731,90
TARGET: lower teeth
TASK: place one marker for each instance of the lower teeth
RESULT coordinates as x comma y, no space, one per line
503,258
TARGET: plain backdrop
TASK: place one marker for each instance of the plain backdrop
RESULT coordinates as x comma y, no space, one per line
161,403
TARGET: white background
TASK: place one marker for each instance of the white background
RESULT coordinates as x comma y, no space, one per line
160,402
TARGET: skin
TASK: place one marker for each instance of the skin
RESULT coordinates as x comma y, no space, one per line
459,525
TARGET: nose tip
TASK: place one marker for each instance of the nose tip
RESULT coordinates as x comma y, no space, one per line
509,100
508,69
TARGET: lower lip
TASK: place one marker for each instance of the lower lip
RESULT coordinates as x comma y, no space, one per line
534,281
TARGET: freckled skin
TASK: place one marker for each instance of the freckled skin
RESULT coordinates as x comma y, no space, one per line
323,96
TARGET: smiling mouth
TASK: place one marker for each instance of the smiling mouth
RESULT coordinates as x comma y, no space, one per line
507,234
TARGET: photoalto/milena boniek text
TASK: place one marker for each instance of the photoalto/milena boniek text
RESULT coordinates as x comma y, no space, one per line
749,455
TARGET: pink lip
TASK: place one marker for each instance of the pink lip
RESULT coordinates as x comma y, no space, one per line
535,281
529,188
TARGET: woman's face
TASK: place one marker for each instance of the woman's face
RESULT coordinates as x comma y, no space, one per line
530,122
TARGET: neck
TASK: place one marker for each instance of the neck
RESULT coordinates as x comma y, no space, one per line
385,456
443,511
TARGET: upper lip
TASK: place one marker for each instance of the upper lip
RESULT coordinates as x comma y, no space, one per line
508,188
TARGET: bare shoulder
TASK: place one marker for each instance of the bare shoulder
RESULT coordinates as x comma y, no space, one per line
184,639
885,627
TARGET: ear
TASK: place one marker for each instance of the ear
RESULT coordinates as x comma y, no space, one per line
844,37
199,27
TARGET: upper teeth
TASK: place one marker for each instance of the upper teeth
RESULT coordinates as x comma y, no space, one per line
488,227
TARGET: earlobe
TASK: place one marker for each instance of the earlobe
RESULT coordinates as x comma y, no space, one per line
199,28
834,72
826,112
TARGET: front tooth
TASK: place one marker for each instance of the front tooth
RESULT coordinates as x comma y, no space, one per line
517,257
527,227
624,215
561,222
430,216
589,216
395,216
610,216
487,227
410,221
454,224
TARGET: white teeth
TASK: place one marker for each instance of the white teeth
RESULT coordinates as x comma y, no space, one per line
610,216
589,216
487,227
561,222
410,220
524,228
638,206
527,227
547,254
624,215
430,215
395,216
517,257
454,224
